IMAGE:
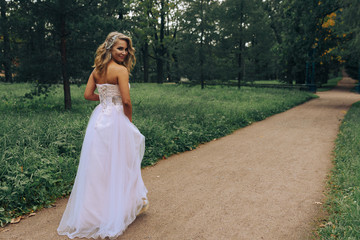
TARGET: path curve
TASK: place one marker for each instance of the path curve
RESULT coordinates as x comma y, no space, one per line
264,181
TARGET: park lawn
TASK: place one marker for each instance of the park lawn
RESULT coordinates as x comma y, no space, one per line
271,82
40,142
325,87
329,85
343,196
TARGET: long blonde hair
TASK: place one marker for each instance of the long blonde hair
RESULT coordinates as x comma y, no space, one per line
103,53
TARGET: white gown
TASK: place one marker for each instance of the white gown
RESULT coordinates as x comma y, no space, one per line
108,191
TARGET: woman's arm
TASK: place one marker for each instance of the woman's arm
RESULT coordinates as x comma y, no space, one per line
123,82
90,89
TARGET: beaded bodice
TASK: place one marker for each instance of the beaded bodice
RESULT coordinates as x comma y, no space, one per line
109,95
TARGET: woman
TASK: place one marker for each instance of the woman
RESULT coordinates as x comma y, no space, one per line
108,192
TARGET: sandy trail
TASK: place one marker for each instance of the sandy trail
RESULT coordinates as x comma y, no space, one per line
261,182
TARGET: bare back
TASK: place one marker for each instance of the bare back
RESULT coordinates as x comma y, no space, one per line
117,75
110,76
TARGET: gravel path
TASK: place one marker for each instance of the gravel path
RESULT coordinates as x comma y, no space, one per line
265,181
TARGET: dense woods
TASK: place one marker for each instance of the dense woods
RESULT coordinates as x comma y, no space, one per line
204,41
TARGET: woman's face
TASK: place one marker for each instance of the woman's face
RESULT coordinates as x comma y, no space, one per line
119,51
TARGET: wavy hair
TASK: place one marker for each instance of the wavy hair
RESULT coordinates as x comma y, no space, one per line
103,53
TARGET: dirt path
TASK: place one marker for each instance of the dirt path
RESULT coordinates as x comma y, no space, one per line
264,181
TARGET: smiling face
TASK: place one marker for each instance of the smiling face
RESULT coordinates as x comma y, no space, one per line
119,51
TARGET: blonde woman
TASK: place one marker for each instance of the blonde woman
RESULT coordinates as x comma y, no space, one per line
108,192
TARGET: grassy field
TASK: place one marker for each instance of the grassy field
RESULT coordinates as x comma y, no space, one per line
343,197
273,82
40,143
270,82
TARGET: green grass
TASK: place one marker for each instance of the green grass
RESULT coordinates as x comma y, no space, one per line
343,197
329,85
40,143
272,82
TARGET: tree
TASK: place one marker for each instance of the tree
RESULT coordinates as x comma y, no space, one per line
196,38
261,56
58,39
155,28
301,24
246,32
348,29
237,24
202,40
7,59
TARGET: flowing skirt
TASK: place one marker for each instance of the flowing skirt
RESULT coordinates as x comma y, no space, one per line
108,191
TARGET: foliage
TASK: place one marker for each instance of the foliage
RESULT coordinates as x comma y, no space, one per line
40,142
244,26
204,40
304,39
349,50
343,197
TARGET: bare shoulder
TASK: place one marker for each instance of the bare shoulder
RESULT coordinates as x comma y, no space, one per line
122,75
118,69
95,75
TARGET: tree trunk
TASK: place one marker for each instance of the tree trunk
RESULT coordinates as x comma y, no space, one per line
145,52
240,71
289,77
201,53
168,68
241,48
40,39
177,75
201,56
161,51
65,76
121,11
160,69
7,50
276,32
176,63
300,77
271,10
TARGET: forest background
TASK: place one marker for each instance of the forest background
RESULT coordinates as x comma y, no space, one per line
47,42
